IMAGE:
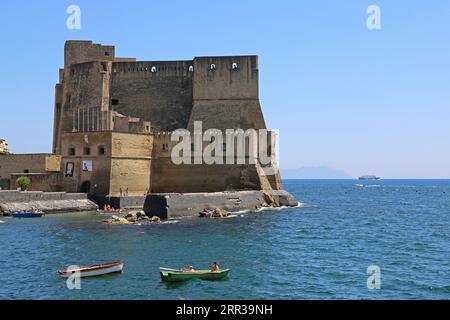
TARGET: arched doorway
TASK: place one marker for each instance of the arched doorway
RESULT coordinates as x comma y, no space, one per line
85,187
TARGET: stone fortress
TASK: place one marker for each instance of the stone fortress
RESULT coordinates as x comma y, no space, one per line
113,119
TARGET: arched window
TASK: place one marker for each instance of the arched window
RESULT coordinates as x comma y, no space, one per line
212,67
191,68
153,69
234,66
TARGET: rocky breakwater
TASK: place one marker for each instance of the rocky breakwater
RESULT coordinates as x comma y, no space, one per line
175,205
133,217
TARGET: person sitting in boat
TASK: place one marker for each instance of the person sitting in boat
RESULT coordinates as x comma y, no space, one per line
215,267
190,269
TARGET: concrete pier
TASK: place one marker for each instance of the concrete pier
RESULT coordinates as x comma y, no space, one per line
49,202
174,205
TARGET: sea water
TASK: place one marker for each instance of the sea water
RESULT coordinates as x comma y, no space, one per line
319,250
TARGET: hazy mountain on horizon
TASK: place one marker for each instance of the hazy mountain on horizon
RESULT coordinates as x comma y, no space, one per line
319,172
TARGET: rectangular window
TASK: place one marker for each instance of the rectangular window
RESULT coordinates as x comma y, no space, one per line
104,66
101,151
71,151
87,151
115,102
26,171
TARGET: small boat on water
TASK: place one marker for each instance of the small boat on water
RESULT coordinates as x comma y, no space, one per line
27,214
369,177
2,222
93,270
175,275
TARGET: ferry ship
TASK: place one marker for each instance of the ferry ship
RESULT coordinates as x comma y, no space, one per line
369,177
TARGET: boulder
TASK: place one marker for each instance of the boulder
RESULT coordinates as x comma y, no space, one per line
207,212
141,215
220,213
117,220
155,219
131,215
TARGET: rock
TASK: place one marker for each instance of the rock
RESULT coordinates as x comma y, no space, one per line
206,213
220,213
117,220
131,215
155,219
269,199
140,214
284,198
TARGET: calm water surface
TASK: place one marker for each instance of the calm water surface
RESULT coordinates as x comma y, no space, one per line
320,250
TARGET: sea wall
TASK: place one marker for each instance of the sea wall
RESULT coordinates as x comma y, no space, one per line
49,202
174,205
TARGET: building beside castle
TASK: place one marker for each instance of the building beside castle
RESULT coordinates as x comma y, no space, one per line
3,147
113,118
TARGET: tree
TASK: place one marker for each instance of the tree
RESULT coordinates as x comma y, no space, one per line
23,183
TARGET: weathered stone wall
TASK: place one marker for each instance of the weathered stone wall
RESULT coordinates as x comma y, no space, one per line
100,176
26,163
46,182
168,177
226,97
124,164
77,51
131,164
163,97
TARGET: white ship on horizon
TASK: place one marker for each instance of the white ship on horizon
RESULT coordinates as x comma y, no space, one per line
369,177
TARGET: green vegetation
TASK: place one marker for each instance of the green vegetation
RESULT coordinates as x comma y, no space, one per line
23,182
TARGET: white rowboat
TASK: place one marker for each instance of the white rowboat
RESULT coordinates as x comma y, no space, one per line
93,270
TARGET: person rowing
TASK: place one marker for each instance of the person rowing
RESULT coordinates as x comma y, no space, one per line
215,267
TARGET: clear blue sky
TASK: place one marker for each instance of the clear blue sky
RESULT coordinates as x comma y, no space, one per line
342,96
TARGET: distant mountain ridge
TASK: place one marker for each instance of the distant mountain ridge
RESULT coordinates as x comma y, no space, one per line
320,172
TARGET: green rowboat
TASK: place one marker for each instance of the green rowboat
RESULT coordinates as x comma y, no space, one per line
173,275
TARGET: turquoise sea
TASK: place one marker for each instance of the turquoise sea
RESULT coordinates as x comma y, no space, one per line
320,250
